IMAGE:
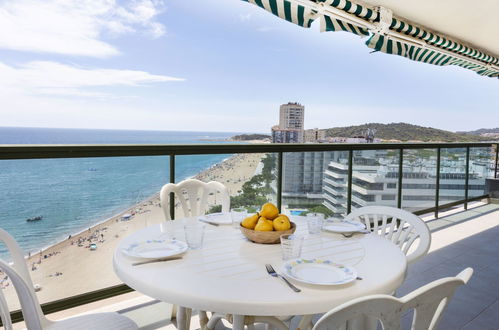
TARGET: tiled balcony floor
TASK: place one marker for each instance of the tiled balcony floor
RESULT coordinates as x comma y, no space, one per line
463,239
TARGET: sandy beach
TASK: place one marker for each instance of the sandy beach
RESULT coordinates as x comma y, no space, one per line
71,267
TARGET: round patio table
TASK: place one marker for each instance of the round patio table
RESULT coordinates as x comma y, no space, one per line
228,274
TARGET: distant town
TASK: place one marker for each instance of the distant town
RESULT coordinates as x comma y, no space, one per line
291,129
320,179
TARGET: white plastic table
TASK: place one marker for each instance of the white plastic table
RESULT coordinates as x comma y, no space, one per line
228,274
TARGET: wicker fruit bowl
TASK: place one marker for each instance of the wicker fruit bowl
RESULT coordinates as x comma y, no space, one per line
267,237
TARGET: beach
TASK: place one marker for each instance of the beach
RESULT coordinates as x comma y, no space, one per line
70,267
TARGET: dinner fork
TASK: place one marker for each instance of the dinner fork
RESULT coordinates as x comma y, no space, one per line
273,273
210,223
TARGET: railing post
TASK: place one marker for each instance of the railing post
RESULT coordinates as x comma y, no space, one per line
279,180
467,179
437,184
172,180
349,187
399,185
495,165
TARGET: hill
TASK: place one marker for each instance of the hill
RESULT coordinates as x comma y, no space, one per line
249,137
404,132
481,131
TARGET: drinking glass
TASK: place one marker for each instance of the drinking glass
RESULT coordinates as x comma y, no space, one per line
166,230
237,215
194,235
314,223
147,216
291,246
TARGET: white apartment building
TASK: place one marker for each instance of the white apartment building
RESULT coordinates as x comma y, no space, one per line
375,181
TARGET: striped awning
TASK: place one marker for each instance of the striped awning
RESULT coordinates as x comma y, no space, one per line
421,54
388,33
288,10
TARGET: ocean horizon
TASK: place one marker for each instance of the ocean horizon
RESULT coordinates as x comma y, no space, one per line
73,194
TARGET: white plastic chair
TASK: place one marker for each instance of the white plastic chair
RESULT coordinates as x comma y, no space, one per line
193,196
428,303
399,226
32,312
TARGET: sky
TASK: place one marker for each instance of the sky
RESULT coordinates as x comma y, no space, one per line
213,65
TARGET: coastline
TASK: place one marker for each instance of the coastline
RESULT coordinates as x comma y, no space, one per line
69,267
205,175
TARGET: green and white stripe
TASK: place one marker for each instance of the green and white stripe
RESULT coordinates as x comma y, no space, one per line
398,25
440,41
288,10
304,15
352,8
333,24
386,45
480,69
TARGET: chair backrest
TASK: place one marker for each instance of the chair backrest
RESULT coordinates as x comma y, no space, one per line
21,281
193,196
401,227
428,303
5,312
29,304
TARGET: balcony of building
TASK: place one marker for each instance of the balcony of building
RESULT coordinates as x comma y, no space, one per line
461,238
463,229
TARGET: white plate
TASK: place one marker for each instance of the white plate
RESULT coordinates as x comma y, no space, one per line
319,272
344,227
155,248
219,218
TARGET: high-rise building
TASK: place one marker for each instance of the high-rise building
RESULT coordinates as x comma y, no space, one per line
303,172
292,116
303,176
291,121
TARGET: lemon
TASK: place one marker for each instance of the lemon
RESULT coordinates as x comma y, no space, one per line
264,225
250,222
269,211
281,223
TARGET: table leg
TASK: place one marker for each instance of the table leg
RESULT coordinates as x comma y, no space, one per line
238,322
213,321
188,316
181,318
203,319
305,322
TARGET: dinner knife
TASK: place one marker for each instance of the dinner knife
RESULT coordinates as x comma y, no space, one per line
155,260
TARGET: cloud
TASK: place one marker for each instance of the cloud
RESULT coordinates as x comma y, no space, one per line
75,27
52,78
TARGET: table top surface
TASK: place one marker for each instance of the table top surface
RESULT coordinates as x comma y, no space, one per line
228,274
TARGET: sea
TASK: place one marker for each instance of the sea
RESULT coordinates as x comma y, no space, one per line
73,194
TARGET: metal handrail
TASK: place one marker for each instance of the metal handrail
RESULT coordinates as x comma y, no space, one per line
80,151
24,151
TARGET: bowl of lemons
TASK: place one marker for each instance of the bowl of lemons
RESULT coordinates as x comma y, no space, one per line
267,225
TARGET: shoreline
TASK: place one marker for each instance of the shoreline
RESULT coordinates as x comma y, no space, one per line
99,222
119,214
70,267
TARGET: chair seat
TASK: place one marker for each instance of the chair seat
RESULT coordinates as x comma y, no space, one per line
98,321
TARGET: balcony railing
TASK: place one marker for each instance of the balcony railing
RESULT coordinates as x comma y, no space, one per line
460,152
